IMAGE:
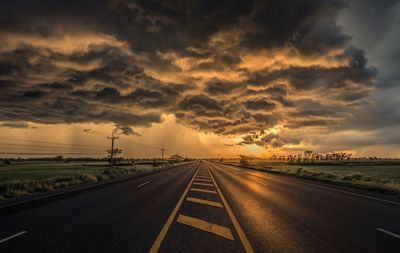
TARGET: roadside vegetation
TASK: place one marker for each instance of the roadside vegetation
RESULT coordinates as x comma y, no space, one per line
25,177
378,175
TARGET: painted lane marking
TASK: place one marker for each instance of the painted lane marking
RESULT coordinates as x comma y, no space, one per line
243,238
204,180
157,243
260,182
202,190
203,177
13,236
140,185
205,202
389,233
346,192
253,173
206,226
203,184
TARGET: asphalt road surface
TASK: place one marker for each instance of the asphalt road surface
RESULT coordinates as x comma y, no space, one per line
208,207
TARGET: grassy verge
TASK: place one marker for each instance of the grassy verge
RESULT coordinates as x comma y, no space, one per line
383,178
21,179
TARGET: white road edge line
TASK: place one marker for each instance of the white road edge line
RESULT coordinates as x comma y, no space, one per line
13,236
388,232
350,193
140,185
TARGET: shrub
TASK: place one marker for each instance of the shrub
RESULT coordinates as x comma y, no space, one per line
87,178
353,177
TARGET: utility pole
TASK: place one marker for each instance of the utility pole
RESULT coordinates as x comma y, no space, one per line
112,138
162,153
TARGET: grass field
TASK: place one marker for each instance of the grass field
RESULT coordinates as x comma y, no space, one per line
28,177
381,176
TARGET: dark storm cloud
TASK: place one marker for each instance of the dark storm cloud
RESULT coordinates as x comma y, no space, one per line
127,130
201,102
269,140
308,26
268,119
259,104
309,123
308,78
128,62
15,124
220,87
71,97
375,28
276,92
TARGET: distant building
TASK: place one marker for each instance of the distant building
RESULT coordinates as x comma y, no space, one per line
177,158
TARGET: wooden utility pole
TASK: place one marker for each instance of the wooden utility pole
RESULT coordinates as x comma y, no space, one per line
112,138
162,153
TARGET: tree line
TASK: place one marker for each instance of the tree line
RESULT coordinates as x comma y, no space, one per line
311,156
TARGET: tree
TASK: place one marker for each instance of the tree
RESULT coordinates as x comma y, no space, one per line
115,152
58,158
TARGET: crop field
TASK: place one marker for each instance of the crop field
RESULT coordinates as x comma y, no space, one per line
27,177
373,175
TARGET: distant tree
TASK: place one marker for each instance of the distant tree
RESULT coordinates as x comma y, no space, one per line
349,156
58,158
116,152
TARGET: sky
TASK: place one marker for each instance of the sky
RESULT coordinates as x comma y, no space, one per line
200,78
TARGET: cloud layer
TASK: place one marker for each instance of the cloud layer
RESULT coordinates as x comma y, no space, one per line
270,71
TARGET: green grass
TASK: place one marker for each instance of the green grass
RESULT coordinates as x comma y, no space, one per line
362,174
25,178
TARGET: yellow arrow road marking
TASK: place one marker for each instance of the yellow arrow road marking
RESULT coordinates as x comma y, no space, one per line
202,190
203,184
204,180
203,177
206,226
205,202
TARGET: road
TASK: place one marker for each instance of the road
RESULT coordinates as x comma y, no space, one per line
208,207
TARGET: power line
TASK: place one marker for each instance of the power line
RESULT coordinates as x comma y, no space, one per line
56,124
83,129
46,142
39,153
47,147
144,145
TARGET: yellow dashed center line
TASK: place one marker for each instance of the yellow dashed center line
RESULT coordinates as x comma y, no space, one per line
203,177
203,184
204,180
157,243
219,230
202,190
243,238
205,202
206,226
